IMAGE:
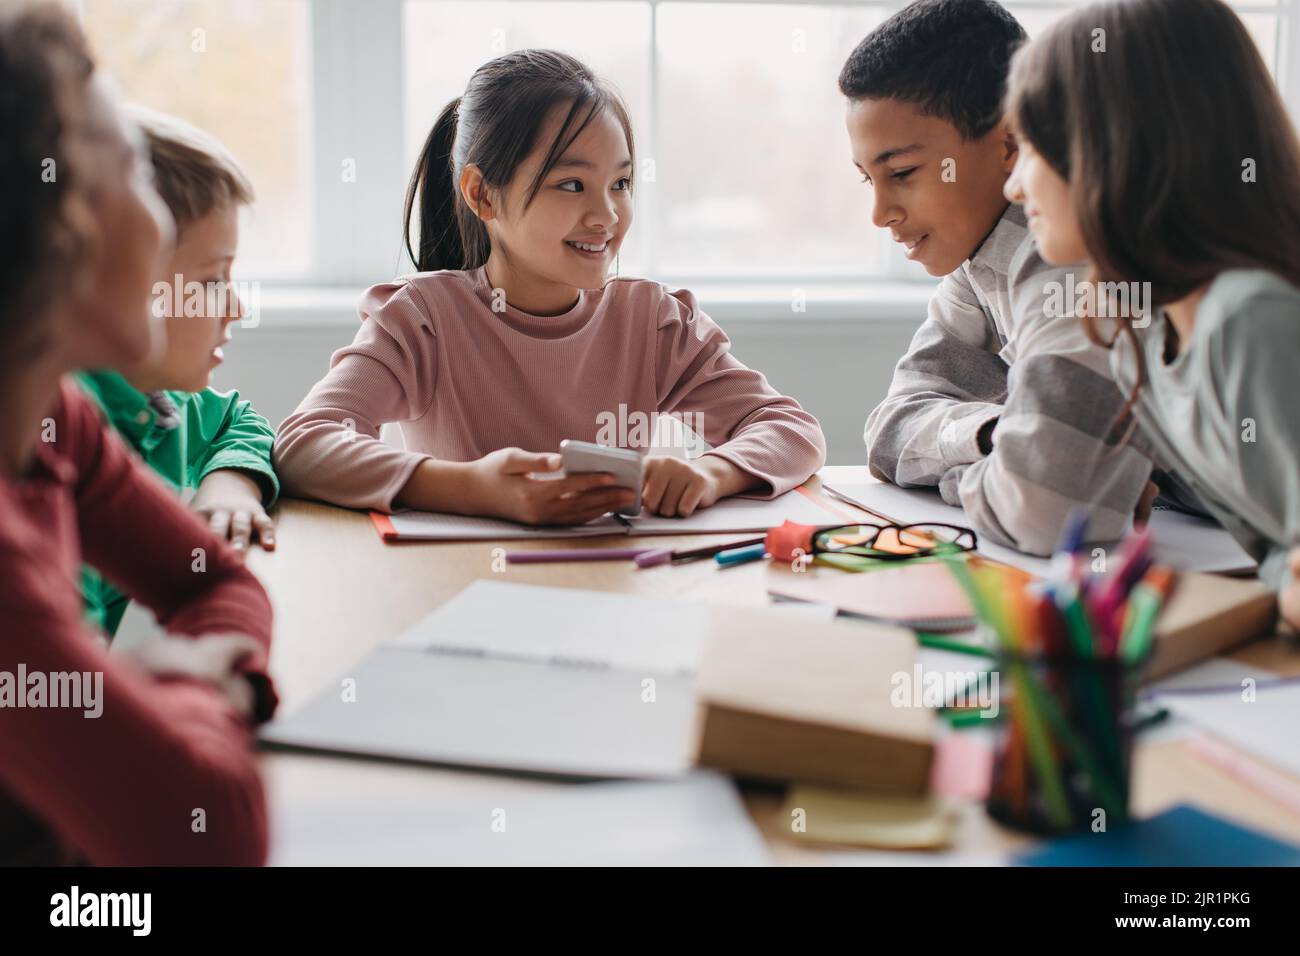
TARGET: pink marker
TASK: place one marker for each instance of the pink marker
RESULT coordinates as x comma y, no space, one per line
575,554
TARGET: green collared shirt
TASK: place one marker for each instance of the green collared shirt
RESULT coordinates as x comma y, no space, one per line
215,430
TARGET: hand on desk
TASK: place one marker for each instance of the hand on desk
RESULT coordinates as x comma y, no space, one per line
1142,512
232,503
677,487
1289,599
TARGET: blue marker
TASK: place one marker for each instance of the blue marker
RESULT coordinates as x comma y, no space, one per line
1076,526
1064,566
755,552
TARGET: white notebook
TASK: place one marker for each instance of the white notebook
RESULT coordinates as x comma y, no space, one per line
544,681
732,515
548,625
698,820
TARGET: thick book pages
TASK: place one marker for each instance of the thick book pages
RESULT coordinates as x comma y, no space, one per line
816,703
1209,614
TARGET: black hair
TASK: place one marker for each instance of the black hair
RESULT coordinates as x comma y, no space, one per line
494,126
948,57
45,70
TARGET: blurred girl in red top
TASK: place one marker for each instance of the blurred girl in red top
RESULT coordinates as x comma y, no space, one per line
139,758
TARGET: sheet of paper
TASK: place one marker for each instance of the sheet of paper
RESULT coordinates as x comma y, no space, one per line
1264,726
849,818
696,821
1178,541
434,526
1217,672
804,609
742,514
595,628
1190,543
924,595
727,516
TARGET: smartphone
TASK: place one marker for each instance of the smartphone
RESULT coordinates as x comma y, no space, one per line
625,464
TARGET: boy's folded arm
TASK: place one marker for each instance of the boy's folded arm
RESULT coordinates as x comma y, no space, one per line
136,533
946,389
234,437
1057,444
143,772
329,448
748,423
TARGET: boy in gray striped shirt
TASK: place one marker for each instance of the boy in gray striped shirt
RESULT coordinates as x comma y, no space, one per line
1001,401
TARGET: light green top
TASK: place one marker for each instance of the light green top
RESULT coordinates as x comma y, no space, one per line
1225,414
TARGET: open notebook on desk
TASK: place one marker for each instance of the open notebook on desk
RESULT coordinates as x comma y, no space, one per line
540,680
727,516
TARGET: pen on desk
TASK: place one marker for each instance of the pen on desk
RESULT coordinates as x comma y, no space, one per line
656,556
653,557
708,551
575,554
1150,719
938,642
736,556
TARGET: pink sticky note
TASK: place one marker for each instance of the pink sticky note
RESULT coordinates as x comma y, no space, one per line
963,767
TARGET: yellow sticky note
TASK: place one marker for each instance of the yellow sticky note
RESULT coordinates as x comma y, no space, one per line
852,818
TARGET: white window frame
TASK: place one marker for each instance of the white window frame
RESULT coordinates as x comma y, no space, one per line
357,114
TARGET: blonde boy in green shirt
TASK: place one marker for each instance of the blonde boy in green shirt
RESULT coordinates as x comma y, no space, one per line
193,436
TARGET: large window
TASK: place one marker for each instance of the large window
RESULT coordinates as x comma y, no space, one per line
744,173
238,68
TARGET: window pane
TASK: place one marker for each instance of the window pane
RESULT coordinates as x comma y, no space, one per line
1261,26
755,174
238,69
446,42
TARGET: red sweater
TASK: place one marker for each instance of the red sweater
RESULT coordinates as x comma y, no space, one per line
123,788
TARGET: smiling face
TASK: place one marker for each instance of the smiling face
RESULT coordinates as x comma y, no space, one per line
940,211
203,258
1048,207
566,238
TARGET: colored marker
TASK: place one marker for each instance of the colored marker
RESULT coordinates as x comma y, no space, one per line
574,554
728,559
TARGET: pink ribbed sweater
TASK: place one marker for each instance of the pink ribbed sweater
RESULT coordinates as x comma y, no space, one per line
463,380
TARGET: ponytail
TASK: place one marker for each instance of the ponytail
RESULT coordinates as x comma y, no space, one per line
431,183
493,126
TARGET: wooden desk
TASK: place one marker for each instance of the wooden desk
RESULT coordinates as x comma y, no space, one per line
338,591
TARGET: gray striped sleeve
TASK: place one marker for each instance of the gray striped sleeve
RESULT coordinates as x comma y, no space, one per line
1055,446
945,388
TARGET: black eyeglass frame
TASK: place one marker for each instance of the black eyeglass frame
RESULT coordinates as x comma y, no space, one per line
866,551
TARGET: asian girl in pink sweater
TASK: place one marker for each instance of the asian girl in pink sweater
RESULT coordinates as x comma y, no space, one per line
513,337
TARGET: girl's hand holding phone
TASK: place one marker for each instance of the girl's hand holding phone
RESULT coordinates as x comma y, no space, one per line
503,486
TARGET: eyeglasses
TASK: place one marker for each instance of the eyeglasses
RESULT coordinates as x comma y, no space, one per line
894,542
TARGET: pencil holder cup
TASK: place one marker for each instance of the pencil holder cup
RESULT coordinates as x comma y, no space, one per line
1065,742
